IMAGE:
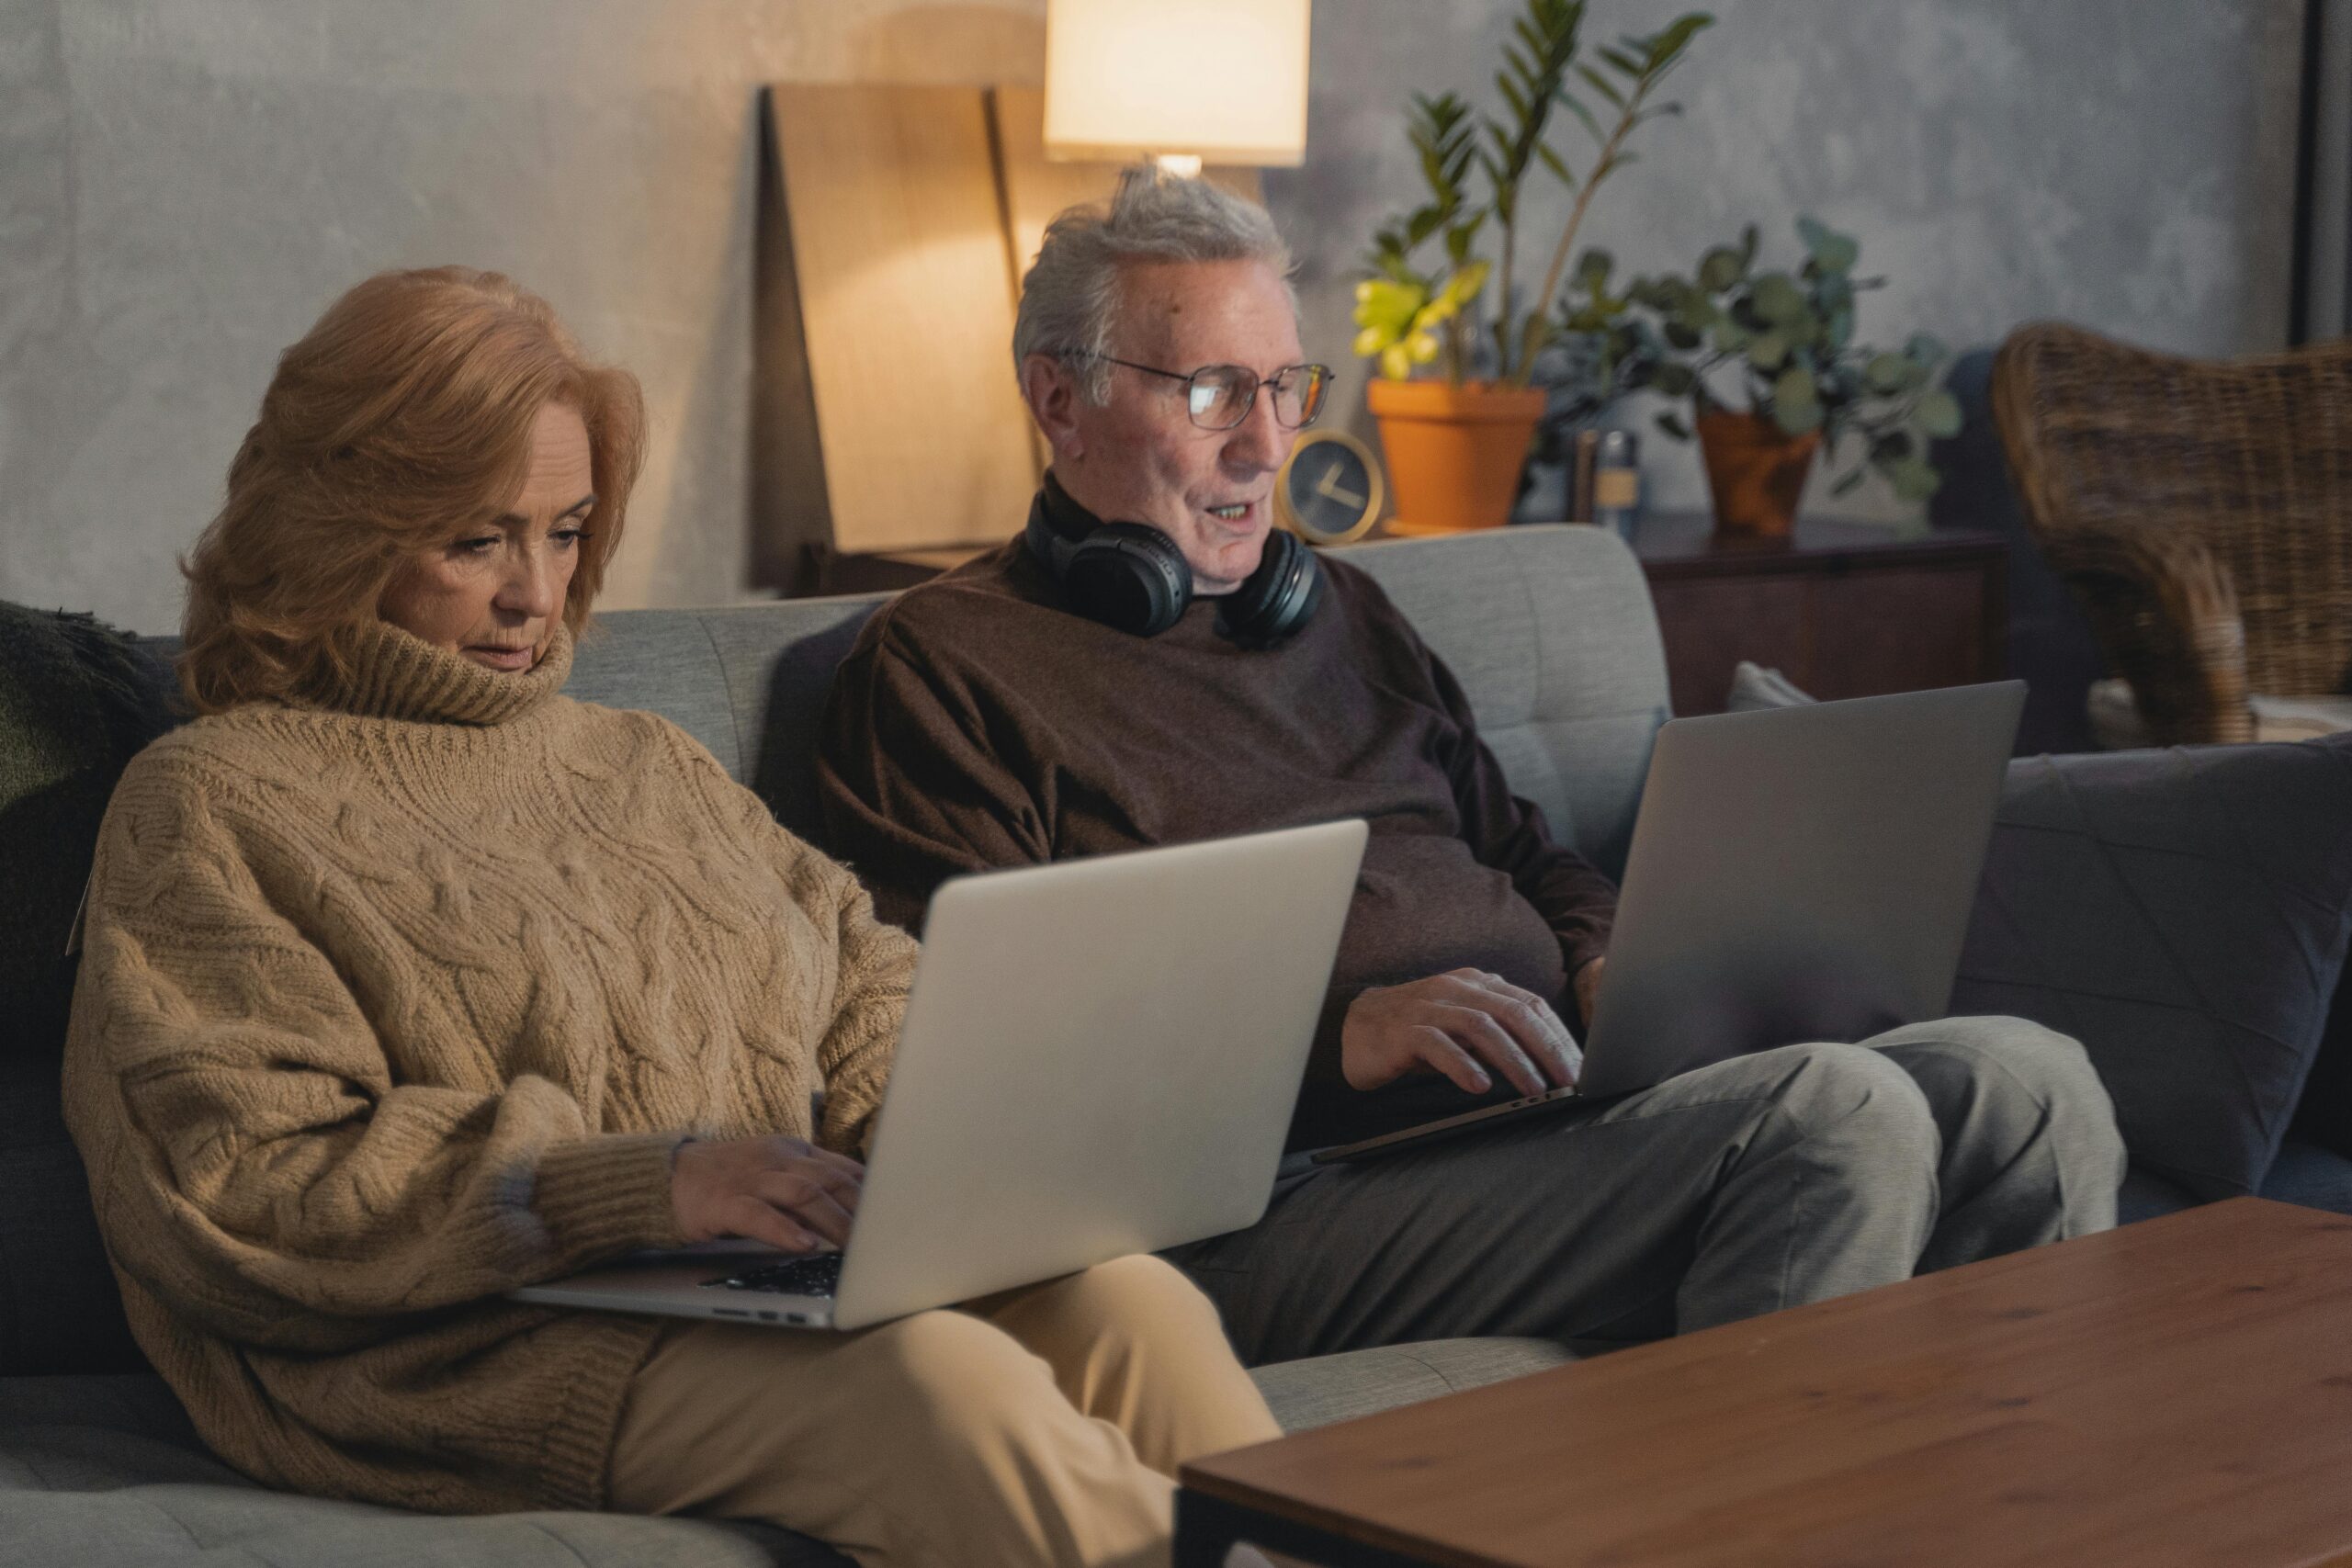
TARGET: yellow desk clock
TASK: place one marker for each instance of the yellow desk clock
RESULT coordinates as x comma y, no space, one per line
1330,491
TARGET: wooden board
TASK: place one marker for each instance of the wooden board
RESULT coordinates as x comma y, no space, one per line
904,301
2176,1391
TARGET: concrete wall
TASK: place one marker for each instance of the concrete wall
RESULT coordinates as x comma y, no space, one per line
185,183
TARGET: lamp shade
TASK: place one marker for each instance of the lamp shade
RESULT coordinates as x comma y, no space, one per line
1222,80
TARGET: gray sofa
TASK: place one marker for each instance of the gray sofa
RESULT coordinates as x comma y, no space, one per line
1551,632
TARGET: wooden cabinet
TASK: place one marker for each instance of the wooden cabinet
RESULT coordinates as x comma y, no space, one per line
1843,610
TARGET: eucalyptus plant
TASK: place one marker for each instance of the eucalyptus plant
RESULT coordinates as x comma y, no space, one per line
1786,340
1410,314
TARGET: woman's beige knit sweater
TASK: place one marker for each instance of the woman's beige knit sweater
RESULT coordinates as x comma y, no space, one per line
395,1000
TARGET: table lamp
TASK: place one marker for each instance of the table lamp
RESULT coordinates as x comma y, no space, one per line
1181,81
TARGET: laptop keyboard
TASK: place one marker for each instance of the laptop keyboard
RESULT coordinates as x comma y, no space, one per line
818,1276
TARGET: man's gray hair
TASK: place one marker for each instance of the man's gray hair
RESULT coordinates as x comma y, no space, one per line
1069,301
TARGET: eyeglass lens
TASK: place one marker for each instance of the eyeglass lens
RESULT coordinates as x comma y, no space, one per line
1221,395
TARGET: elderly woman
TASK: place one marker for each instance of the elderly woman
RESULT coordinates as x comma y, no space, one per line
409,980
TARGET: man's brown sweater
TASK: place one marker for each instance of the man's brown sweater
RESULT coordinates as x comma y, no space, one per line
980,722
398,999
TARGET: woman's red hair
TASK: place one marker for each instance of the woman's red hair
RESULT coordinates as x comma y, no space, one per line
399,422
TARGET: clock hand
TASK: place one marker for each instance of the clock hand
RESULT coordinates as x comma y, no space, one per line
1328,488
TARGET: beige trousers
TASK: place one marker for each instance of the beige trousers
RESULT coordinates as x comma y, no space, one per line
1038,1427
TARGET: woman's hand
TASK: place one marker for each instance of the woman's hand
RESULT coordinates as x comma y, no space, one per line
784,1191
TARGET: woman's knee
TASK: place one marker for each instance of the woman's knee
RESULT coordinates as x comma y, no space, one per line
949,1372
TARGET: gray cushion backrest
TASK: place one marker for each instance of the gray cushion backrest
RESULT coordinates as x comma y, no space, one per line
1551,633
750,683
1548,628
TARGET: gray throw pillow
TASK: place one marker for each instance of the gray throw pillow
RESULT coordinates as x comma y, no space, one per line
2184,914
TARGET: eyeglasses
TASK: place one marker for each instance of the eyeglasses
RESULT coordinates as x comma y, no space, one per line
1220,397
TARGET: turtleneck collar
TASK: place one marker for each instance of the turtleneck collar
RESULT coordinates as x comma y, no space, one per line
398,675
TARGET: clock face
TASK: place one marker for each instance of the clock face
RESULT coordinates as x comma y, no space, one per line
1331,490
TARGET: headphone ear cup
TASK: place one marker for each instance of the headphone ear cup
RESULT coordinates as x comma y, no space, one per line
1278,598
1129,575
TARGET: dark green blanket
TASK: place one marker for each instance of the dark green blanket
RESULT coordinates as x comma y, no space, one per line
77,701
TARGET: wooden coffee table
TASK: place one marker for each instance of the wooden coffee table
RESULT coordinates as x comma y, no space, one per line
2175,1392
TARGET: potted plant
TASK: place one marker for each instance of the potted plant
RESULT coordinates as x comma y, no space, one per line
1455,446
1786,339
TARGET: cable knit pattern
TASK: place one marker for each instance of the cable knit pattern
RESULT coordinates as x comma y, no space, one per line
404,997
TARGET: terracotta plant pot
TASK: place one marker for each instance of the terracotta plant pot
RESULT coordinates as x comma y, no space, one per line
1755,471
1454,453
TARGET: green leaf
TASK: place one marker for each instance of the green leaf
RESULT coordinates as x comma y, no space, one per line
1927,349
1841,328
1914,479
1796,419
1720,268
1832,252
1795,385
1625,62
1385,306
1747,240
1886,373
1664,45
1939,415
1603,85
1675,380
1776,299
1680,335
1552,162
1769,351
1512,96
1729,336
1464,284
1535,335
1576,106
1672,422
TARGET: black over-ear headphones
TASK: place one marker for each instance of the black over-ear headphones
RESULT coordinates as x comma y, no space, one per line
1132,576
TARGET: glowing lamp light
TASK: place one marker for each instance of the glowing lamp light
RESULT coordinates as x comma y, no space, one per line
1182,81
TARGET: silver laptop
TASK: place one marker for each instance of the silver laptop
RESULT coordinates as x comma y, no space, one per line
1797,875
1098,1057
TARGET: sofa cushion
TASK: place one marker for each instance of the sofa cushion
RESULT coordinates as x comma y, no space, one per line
1324,1389
1550,630
2184,914
106,1470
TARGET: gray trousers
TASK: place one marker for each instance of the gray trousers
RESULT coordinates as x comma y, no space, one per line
1765,1181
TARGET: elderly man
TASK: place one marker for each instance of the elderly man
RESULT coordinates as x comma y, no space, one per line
1146,663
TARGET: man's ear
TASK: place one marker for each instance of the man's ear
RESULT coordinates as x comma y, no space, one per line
1050,387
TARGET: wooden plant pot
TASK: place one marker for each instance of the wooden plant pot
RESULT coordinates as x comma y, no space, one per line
1755,471
1454,453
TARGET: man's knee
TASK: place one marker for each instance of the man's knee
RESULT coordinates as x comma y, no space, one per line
1847,1091
2029,1073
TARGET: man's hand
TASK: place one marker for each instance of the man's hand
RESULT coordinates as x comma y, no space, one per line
784,1191
1465,1024
1587,988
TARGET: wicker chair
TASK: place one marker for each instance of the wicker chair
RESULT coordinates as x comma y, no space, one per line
2201,511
